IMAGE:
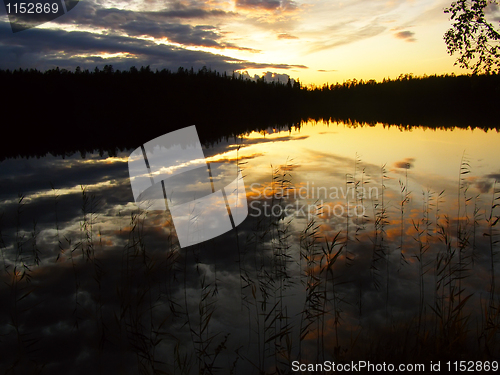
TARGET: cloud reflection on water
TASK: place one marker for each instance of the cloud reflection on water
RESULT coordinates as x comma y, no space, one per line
114,291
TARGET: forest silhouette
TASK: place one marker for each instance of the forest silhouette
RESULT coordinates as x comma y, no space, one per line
62,112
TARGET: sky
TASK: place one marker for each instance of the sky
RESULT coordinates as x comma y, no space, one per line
315,41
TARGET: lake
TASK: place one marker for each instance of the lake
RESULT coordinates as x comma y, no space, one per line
362,243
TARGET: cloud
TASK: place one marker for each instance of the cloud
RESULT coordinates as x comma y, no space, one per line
115,37
159,25
273,15
286,36
492,12
326,71
254,65
348,37
406,35
426,16
174,10
350,22
495,176
283,5
192,13
260,4
483,186
45,49
405,164
267,76
275,77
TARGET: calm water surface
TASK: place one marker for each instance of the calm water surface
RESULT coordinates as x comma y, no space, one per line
365,243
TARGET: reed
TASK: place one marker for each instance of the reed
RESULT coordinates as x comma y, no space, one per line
492,221
349,180
405,200
330,257
380,250
462,224
422,230
313,303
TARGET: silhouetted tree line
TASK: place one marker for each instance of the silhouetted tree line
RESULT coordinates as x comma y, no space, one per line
432,101
61,111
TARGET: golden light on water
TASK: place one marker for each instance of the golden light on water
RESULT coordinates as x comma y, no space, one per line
435,153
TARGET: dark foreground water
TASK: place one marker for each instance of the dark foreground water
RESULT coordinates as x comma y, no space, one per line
361,243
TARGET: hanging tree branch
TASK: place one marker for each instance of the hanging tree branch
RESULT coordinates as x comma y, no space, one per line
473,37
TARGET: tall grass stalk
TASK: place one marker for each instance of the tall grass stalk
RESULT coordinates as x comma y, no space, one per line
380,251
349,180
330,256
492,221
462,224
405,199
312,304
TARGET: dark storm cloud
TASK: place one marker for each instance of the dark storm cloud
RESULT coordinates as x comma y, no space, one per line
44,49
